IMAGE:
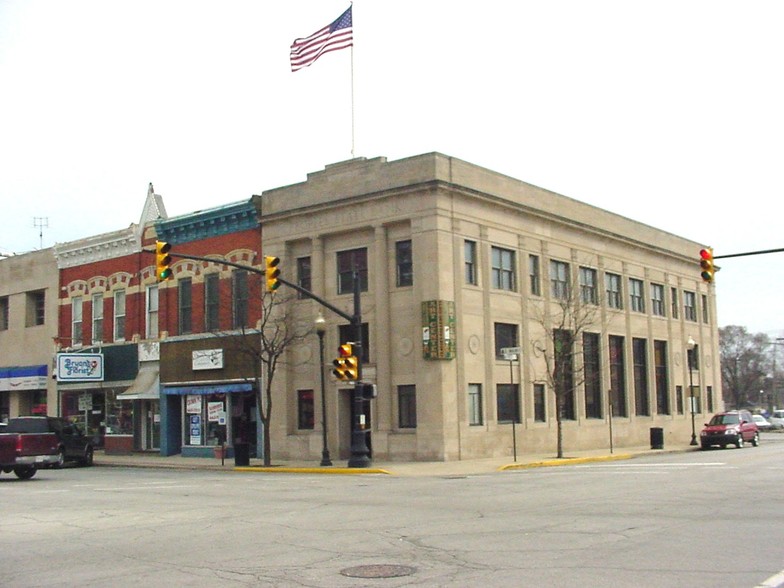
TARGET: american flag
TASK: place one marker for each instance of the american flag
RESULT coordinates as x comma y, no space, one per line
337,35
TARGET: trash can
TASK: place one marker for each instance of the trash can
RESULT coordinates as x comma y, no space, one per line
657,438
242,454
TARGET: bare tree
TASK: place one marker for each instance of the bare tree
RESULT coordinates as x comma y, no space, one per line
744,364
564,321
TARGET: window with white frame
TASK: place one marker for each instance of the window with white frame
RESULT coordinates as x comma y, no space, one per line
674,302
239,298
705,314
211,302
657,300
97,318
475,416
348,262
588,292
404,262
689,306
185,305
469,255
152,312
636,296
612,287
503,274
119,315
76,321
534,275
559,279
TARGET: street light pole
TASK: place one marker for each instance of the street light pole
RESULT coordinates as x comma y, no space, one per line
321,328
690,346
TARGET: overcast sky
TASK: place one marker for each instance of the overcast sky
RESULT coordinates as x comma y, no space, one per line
667,112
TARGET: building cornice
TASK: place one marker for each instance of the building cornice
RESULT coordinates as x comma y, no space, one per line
97,248
223,220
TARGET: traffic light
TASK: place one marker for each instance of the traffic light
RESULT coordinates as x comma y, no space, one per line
347,364
369,391
271,272
162,261
706,263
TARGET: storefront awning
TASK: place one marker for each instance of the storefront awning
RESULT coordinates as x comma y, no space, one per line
210,389
145,386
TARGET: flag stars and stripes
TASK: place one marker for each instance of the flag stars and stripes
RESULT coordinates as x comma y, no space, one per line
337,35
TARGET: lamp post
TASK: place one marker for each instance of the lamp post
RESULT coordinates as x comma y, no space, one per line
690,346
321,328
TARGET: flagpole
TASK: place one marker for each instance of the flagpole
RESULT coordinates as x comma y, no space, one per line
352,86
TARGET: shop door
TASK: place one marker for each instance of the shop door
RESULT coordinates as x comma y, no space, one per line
151,424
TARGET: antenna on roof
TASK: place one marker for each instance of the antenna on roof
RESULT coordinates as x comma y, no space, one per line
41,222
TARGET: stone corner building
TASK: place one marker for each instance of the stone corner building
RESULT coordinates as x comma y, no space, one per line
457,262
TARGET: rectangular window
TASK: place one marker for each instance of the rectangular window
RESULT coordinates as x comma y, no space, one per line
211,302
588,292
636,299
36,308
97,318
239,298
640,359
564,372
505,336
503,274
705,309
534,275
612,286
559,279
617,376
119,315
689,306
346,334
709,392
305,410
660,374
679,398
475,413
304,275
406,405
657,300
353,260
185,305
540,412
76,321
674,302
469,255
404,261
3,313
508,403
152,312
593,376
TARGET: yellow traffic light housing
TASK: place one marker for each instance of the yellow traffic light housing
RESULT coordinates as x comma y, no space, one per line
163,261
347,364
271,272
707,265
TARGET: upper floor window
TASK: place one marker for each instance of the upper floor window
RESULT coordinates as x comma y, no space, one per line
185,305
469,254
304,275
404,262
475,413
353,260
705,309
559,279
657,299
3,313
534,275
503,274
305,410
97,318
505,336
119,315
76,321
239,298
674,302
36,308
636,299
612,286
689,306
152,312
588,292
211,302
406,406
347,335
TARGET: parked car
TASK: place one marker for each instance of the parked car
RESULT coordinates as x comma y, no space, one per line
24,453
734,427
72,445
761,422
777,419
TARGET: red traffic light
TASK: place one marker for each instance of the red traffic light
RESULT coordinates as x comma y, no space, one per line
706,263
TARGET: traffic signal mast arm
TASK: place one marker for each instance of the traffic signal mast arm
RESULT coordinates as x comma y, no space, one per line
748,253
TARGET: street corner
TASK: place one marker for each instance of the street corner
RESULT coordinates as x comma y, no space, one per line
564,461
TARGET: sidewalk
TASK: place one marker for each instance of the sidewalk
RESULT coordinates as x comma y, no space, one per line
415,468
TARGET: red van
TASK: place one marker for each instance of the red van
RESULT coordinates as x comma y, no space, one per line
734,427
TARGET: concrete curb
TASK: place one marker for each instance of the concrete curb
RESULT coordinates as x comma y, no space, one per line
564,462
321,470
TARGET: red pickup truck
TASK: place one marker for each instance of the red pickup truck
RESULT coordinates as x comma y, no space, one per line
22,453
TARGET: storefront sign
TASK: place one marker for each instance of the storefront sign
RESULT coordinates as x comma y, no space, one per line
23,378
80,367
207,359
193,404
216,413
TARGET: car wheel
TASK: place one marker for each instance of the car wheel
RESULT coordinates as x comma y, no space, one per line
60,458
755,440
739,442
87,460
704,446
25,472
